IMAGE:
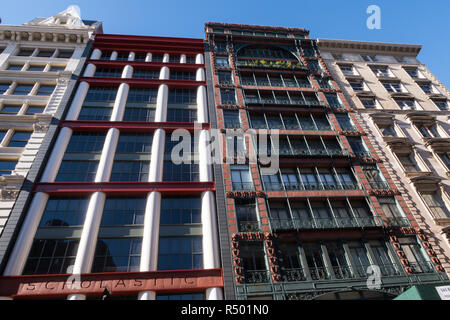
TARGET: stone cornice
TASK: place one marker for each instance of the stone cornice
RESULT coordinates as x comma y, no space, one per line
371,47
49,34
255,27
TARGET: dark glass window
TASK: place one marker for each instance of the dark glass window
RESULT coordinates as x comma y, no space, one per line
2,134
157,58
45,90
174,58
106,55
142,95
101,94
45,53
57,68
227,96
4,87
15,66
65,54
117,255
134,142
123,211
181,115
23,89
130,170
180,211
95,113
252,254
63,212
140,56
225,77
182,96
108,72
51,256
180,172
141,104
36,68
19,139
122,56
81,142
34,109
180,253
182,75
10,109
77,171
145,74
25,52
6,167
240,177
246,215
231,119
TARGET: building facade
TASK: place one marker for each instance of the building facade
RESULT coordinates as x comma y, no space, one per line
38,63
111,205
405,110
312,229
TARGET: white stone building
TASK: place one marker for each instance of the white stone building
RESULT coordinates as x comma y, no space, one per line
39,62
405,110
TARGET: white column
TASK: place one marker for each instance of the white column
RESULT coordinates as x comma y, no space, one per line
166,58
183,58
24,241
77,101
127,72
55,159
210,239
90,70
164,74
120,102
88,239
131,56
114,55
148,57
150,239
107,158
96,54
199,59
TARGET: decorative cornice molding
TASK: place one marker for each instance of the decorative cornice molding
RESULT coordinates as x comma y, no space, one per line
382,47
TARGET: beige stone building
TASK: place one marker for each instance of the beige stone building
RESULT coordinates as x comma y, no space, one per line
39,62
405,110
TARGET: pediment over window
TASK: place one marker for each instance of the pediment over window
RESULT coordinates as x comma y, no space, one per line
426,183
382,118
421,118
400,145
438,144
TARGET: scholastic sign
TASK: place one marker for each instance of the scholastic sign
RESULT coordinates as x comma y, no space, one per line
115,283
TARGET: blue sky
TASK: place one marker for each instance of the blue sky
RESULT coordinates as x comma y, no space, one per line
413,22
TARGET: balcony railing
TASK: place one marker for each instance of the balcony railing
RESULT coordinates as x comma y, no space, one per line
379,185
292,186
318,152
398,222
243,186
340,272
266,83
249,226
283,101
363,154
324,223
278,64
422,267
232,125
257,276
